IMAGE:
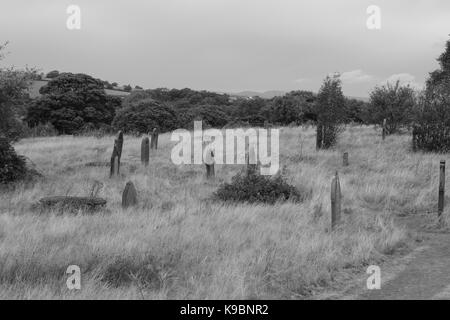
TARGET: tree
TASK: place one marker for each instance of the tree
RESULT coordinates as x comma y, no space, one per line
330,110
13,96
70,102
52,74
144,115
431,127
12,85
212,116
127,88
394,103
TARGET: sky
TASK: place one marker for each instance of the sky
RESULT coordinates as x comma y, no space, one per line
230,45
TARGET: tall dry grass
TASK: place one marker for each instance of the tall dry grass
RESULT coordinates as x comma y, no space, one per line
177,244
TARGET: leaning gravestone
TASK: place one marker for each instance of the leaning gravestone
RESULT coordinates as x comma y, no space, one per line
115,163
129,195
119,143
154,135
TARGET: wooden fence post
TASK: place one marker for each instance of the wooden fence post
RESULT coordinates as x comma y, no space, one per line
414,139
384,129
441,189
145,151
345,159
335,201
209,163
319,136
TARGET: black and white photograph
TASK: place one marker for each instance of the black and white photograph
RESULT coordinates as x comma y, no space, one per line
224,155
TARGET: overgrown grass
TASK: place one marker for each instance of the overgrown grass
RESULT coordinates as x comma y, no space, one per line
177,244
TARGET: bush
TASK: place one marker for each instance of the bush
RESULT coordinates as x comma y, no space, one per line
393,103
145,115
431,130
254,188
12,166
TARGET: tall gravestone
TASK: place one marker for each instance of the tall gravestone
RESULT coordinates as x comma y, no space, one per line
145,151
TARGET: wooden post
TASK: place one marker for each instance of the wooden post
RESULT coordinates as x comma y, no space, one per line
414,139
384,130
209,163
335,201
345,159
319,137
441,189
129,195
145,151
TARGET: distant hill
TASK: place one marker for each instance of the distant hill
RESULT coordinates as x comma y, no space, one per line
275,93
265,95
33,90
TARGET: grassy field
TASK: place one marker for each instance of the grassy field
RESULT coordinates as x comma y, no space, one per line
177,244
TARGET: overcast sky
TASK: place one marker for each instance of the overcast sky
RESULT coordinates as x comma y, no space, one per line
230,45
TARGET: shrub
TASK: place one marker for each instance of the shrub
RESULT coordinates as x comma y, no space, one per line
394,103
12,166
145,115
254,188
431,130
52,74
331,112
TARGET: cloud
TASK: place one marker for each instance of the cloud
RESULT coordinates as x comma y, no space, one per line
405,79
356,76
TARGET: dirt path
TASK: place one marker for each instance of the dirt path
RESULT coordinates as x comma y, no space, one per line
422,274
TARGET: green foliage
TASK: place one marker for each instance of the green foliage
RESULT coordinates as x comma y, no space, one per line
12,166
70,101
431,125
144,115
331,112
256,188
52,74
212,116
13,99
293,107
393,103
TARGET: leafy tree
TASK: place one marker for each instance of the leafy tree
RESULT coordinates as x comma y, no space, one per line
394,103
70,101
431,128
13,98
212,116
144,115
127,88
52,74
12,86
330,110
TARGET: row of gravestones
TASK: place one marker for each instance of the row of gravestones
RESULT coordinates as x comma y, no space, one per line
129,195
